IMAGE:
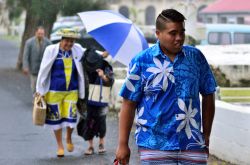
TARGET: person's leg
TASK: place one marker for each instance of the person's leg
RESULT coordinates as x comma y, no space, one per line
60,149
102,131
70,146
33,79
101,146
149,157
90,131
199,157
90,149
101,141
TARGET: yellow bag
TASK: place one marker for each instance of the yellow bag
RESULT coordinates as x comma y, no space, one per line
39,110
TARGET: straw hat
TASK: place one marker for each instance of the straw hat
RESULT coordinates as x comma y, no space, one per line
69,33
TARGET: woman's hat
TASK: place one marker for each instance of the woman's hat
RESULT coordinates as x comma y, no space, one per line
92,60
69,33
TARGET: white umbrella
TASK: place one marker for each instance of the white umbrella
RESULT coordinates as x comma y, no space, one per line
117,34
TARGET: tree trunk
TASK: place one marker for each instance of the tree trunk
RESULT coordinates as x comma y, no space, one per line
31,22
29,30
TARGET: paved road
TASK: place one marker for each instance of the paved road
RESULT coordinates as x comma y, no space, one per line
22,143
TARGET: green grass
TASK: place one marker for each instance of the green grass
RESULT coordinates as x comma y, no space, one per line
236,100
225,92
235,94
16,39
8,37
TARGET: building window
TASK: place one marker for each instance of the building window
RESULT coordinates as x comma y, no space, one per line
242,38
246,68
219,38
124,11
150,15
199,15
223,20
240,20
209,20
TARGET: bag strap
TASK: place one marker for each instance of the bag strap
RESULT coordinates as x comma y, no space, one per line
38,97
101,84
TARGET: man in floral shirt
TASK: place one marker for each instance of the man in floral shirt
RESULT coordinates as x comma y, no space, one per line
162,89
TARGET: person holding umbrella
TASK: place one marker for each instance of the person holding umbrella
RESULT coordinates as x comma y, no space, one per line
162,91
61,82
100,76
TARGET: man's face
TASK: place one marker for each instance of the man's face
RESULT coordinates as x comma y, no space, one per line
40,33
67,43
172,37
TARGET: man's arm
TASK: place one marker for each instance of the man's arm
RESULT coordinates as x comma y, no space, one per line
208,110
26,58
126,120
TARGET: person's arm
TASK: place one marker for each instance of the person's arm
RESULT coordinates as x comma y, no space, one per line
126,120
208,110
102,75
26,58
106,77
43,77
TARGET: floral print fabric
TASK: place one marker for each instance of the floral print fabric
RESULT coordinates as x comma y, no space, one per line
168,116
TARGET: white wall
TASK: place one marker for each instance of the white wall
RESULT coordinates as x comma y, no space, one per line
116,100
230,138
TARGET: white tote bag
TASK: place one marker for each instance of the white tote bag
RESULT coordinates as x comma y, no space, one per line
99,95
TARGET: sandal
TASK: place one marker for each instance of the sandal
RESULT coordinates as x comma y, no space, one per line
90,151
70,147
101,149
60,153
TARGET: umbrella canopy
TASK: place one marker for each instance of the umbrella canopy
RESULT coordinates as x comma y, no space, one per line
117,34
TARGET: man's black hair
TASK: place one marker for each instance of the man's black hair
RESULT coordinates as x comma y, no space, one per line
39,27
168,15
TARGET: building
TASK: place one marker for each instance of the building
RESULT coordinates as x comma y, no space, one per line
227,11
144,12
4,17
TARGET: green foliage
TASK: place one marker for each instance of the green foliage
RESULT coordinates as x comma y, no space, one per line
244,82
48,8
189,40
44,12
38,8
15,8
69,7
235,94
42,8
220,77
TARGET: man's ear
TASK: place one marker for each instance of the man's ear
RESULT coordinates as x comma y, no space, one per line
157,33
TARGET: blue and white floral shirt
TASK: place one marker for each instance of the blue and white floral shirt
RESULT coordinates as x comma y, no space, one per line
168,115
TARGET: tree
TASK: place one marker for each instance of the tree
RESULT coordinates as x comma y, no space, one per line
44,13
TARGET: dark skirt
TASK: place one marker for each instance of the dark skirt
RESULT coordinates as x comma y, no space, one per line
94,124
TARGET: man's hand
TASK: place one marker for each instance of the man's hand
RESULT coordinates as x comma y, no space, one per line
208,110
102,75
123,154
100,72
25,71
206,141
207,144
126,120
